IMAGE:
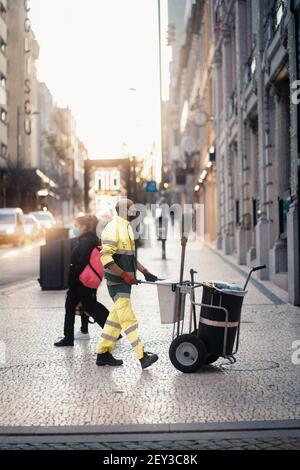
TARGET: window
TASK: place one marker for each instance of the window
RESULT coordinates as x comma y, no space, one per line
237,212
253,65
283,208
3,150
279,14
3,115
2,10
256,211
2,80
2,45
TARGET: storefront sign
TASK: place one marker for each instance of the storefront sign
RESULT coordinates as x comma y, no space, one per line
27,82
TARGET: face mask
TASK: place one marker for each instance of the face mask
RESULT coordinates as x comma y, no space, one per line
76,232
131,218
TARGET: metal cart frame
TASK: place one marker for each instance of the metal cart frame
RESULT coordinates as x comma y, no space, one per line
187,288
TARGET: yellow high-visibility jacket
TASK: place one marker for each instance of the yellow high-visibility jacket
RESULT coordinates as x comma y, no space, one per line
118,247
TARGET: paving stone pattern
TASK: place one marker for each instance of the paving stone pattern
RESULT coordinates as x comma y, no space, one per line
45,386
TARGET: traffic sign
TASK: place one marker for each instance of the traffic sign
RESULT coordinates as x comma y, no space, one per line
151,187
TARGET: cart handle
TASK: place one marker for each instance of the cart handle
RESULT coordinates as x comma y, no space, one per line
156,283
255,268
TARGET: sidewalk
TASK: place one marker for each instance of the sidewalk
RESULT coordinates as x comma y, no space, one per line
44,386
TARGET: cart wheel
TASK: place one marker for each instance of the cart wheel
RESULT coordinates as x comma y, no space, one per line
211,358
187,353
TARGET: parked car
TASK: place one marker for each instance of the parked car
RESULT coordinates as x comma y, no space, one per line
33,230
45,219
12,229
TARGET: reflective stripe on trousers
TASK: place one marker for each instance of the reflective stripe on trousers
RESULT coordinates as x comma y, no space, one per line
121,317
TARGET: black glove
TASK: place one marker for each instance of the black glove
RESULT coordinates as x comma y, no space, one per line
149,277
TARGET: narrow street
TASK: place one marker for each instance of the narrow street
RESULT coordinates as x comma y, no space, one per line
150,191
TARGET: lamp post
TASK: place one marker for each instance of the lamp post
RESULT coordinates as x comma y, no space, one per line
160,84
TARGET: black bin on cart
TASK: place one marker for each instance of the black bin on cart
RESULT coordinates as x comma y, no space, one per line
212,325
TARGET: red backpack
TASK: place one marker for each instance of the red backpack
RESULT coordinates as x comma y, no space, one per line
93,273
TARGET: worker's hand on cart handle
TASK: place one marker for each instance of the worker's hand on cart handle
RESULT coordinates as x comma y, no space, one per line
148,276
128,278
257,268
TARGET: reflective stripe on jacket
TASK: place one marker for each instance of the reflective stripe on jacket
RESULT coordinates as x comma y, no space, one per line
118,246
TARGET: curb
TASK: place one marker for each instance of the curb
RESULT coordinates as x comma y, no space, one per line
239,426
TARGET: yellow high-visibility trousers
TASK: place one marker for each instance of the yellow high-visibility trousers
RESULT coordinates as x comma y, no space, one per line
121,317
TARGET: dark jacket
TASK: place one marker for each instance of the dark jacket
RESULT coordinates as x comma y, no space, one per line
81,255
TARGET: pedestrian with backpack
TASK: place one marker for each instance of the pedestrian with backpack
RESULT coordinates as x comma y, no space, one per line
85,276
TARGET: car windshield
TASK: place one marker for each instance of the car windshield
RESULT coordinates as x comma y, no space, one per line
7,218
42,216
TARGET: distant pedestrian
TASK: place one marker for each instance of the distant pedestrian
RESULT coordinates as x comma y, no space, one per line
162,233
85,229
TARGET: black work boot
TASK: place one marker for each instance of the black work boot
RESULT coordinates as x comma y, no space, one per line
108,359
64,342
148,359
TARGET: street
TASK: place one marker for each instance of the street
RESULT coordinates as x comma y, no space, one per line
43,386
19,264
150,181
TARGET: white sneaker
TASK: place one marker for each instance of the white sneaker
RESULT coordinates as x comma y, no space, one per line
81,336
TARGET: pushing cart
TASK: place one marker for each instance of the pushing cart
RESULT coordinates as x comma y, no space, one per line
213,329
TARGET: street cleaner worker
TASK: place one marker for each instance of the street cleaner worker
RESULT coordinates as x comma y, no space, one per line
120,265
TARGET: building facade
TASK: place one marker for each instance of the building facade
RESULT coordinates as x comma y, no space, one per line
21,51
3,82
256,61
191,129
3,101
240,75
22,87
41,157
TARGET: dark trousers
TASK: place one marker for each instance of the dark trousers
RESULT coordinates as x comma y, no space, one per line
84,323
88,298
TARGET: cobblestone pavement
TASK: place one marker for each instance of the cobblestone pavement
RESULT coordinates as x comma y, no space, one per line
188,445
44,386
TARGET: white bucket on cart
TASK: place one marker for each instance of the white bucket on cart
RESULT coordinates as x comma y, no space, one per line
166,299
